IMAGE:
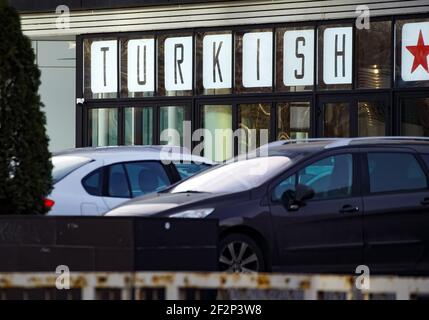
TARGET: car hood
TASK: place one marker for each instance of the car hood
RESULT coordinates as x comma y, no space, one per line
162,202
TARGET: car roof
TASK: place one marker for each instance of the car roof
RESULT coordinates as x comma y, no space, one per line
121,153
299,146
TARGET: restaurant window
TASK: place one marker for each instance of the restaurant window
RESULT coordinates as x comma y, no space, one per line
336,119
371,118
138,126
254,61
293,120
100,75
335,56
214,62
254,122
415,116
217,120
103,127
175,58
171,124
295,61
137,68
412,52
374,52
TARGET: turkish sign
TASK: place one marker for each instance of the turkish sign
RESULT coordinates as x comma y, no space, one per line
337,55
141,65
104,68
257,60
298,67
415,51
217,52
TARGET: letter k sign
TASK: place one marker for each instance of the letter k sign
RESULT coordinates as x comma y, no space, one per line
415,51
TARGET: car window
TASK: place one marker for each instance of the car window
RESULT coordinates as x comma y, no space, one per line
394,172
146,177
187,169
93,183
330,177
118,182
64,165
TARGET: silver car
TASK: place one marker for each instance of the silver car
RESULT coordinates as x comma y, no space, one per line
91,181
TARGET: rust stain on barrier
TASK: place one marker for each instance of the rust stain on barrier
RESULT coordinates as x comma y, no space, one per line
42,281
162,279
304,285
79,282
263,281
101,280
5,283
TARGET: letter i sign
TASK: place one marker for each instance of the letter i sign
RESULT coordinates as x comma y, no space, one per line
415,51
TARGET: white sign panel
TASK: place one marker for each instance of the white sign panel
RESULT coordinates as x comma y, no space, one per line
415,51
338,55
217,61
178,63
257,59
104,71
141,65
298,58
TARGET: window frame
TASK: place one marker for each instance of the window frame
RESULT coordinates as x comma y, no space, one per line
171,175
366,188
303,163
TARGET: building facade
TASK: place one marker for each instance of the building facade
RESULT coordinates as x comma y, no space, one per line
297,69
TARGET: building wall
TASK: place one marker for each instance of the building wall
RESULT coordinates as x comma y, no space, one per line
227,13
56,60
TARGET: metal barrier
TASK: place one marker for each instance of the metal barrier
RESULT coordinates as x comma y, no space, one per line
179,285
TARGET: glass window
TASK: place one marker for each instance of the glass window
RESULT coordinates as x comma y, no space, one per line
374,60
214,62
242,175
254,121
138,126
118,182
93,183
64,165
137,68
336,120
293,120
395,172
295,61
103,127
171,122
412,43
371,118
331,177
335,56
415,117
217,120
175,60
146,177
100,74
286,185
254,61
189,169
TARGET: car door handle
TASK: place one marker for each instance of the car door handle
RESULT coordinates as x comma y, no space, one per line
349,208
425,202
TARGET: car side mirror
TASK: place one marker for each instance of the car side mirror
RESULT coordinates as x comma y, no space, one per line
293,200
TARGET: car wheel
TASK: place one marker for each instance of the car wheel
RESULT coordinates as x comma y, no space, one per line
240,254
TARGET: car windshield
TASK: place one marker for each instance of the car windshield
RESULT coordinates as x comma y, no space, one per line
236,176
64,165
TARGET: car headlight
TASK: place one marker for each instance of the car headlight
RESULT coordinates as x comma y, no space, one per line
197,213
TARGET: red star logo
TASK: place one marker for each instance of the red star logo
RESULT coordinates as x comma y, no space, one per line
420,53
